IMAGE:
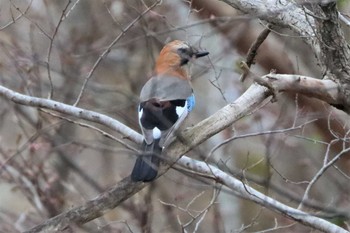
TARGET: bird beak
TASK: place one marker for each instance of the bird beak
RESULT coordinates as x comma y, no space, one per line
200,54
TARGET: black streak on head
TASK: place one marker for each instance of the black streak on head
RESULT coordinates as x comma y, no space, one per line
187,53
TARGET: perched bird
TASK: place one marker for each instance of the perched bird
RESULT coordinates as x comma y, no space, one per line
165,101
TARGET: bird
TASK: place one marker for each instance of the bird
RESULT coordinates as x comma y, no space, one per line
165,101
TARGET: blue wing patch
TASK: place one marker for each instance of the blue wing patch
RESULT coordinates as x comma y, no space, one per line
191,102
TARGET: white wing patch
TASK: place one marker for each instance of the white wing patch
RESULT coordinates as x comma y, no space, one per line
140,113
147,134
182,113
180,110
156,133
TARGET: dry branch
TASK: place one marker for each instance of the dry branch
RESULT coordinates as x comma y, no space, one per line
326,90
319,28
285,13
91,209
251,194
253,50
70,110
334,50
250,100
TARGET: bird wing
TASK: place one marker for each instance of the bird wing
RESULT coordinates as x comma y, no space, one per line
178,96
164,125
182,112
147,133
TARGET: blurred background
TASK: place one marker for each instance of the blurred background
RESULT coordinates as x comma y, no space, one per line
51,163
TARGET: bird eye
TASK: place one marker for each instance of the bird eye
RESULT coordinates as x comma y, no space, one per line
182,50
185,55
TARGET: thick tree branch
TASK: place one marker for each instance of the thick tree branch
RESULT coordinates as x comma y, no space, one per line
326,90
284,13
189,139
91,209
72,111
320,28
335,51
126,188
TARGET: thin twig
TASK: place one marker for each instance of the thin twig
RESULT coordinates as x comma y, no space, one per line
169,31
30,20
52,38
257,134
18,17
259,80
72,111
253,50
104,133
247,192
91,209
319,174
108,49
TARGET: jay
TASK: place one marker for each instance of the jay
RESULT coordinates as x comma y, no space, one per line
165,101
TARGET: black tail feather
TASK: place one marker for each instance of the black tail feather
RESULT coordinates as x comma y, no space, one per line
146,165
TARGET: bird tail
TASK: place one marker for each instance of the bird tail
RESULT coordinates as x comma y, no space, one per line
146,165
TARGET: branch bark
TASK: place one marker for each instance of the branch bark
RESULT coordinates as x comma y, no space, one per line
252,98
247,192
71,111
318,25
335,51
286,14
283,13
91,209
326,90
95,208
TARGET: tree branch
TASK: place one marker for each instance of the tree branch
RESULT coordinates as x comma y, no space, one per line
114,196
253,50
335,51
248,193
326,90
95,208
108,49
319,28
91,209
282,13
72,111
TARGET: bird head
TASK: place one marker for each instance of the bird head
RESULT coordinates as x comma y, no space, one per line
174,56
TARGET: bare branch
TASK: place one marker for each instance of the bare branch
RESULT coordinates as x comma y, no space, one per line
253,50
251,194
319,174
72,111
335,51
326,90
104,133
126,188
269,132
18,17
91,209
320,28
108,49
49,51
197,134
282,13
